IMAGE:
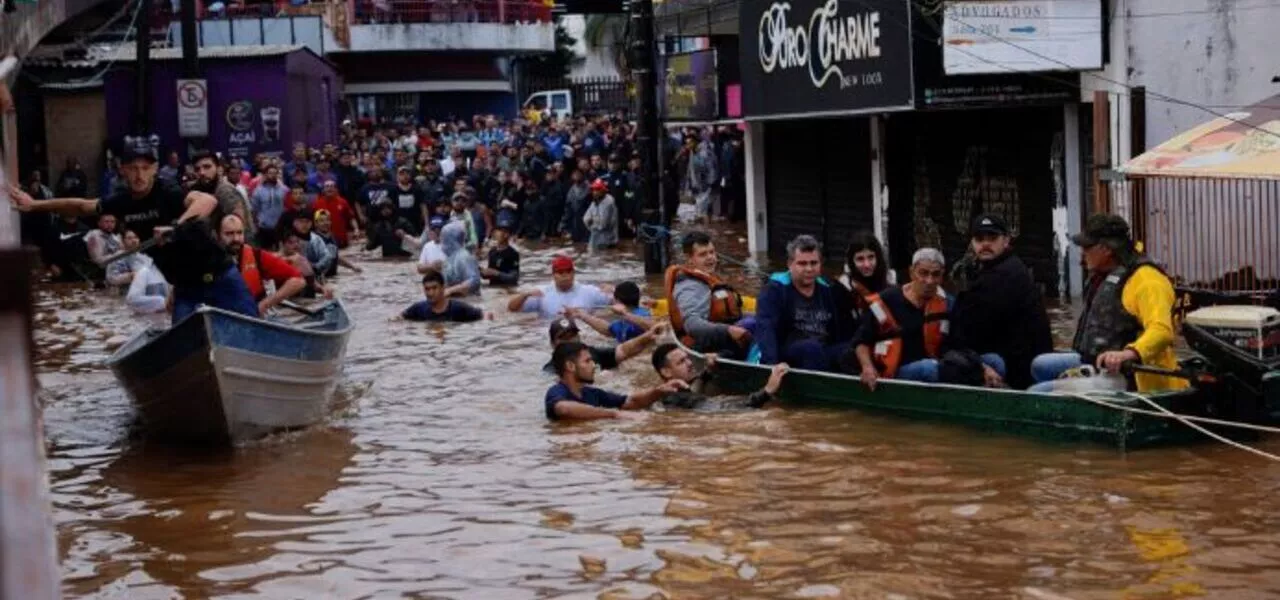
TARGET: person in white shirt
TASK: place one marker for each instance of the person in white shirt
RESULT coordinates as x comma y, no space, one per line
148,291
551,300
447,166
432,256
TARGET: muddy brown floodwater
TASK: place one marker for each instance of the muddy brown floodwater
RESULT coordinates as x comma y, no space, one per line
437,476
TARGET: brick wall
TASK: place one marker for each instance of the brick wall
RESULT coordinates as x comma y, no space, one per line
76,126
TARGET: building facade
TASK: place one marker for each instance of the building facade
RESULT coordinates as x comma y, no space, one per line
999,116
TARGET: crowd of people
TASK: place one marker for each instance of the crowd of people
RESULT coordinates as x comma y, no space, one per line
401,184
249,237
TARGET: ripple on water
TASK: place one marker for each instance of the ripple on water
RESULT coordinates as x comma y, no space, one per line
437,476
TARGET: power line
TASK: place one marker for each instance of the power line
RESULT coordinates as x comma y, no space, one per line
1149,93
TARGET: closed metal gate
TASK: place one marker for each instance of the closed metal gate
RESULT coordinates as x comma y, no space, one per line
818,181
945,168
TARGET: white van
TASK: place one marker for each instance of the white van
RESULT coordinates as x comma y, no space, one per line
558,103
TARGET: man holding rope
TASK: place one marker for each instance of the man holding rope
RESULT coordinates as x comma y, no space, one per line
183,247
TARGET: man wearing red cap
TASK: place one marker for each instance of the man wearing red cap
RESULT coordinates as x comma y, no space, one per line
344,219
601,218
550,300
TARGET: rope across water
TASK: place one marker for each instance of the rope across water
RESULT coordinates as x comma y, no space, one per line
1188,420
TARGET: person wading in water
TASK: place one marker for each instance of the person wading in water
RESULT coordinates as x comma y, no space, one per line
673,363
186,252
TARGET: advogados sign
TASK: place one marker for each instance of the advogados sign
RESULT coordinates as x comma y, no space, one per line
813,58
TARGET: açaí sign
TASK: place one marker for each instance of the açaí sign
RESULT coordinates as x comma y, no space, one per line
824,57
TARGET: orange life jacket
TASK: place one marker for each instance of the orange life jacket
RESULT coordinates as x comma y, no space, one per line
888,350
726,304
861,296
249,271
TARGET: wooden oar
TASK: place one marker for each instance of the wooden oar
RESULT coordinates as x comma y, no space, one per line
306,310
144,246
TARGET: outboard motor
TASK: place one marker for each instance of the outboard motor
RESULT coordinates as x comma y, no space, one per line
1242,343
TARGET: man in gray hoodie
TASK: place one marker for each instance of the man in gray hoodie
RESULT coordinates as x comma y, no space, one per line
703,310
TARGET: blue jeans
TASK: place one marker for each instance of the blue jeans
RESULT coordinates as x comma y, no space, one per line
228,292
926,369
1047,367
814,356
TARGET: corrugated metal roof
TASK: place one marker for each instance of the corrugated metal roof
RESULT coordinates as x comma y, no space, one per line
127,53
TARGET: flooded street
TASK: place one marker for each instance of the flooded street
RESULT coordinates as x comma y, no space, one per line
438,476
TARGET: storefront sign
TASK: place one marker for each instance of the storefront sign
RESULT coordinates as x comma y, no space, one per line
240,131
809,58
691,88
1021,36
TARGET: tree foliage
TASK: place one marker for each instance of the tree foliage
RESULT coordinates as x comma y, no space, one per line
553,64
609,33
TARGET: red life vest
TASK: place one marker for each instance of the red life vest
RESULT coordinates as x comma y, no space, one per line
249,271
888,350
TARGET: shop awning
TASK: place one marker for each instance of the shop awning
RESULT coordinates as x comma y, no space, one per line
1243,145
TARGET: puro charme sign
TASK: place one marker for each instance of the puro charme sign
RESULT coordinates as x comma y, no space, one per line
819,45
825,57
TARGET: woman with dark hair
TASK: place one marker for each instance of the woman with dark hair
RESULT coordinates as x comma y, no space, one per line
866,272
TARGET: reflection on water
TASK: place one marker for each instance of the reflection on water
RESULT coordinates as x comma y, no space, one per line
437,476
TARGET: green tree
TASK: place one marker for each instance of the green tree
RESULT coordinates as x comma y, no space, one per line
609,33
556,63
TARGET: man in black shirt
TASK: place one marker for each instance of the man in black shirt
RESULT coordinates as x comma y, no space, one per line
565,330
372,193
186,253
439,307
998,306
504,261
410,200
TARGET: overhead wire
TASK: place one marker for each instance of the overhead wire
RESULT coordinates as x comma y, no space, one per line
1156,96
1150,93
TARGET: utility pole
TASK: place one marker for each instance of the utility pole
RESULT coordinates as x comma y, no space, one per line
643,53
190,57
142,78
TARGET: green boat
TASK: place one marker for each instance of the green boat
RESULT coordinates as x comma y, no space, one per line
1110,418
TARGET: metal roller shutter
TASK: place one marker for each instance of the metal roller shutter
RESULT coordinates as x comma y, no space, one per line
792,183
818,182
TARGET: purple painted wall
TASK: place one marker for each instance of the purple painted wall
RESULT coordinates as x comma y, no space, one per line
314,91
254,104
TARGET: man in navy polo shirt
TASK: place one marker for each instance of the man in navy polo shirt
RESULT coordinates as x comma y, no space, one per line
572,398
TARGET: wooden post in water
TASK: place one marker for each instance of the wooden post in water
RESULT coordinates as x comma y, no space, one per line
28,561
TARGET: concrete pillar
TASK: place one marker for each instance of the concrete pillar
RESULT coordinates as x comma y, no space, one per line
757,208
879,191
1066,219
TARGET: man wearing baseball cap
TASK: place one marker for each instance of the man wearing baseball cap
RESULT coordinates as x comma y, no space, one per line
601,217
432,256
998,306
551,300
504,261
565,330
187,254
1128,311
